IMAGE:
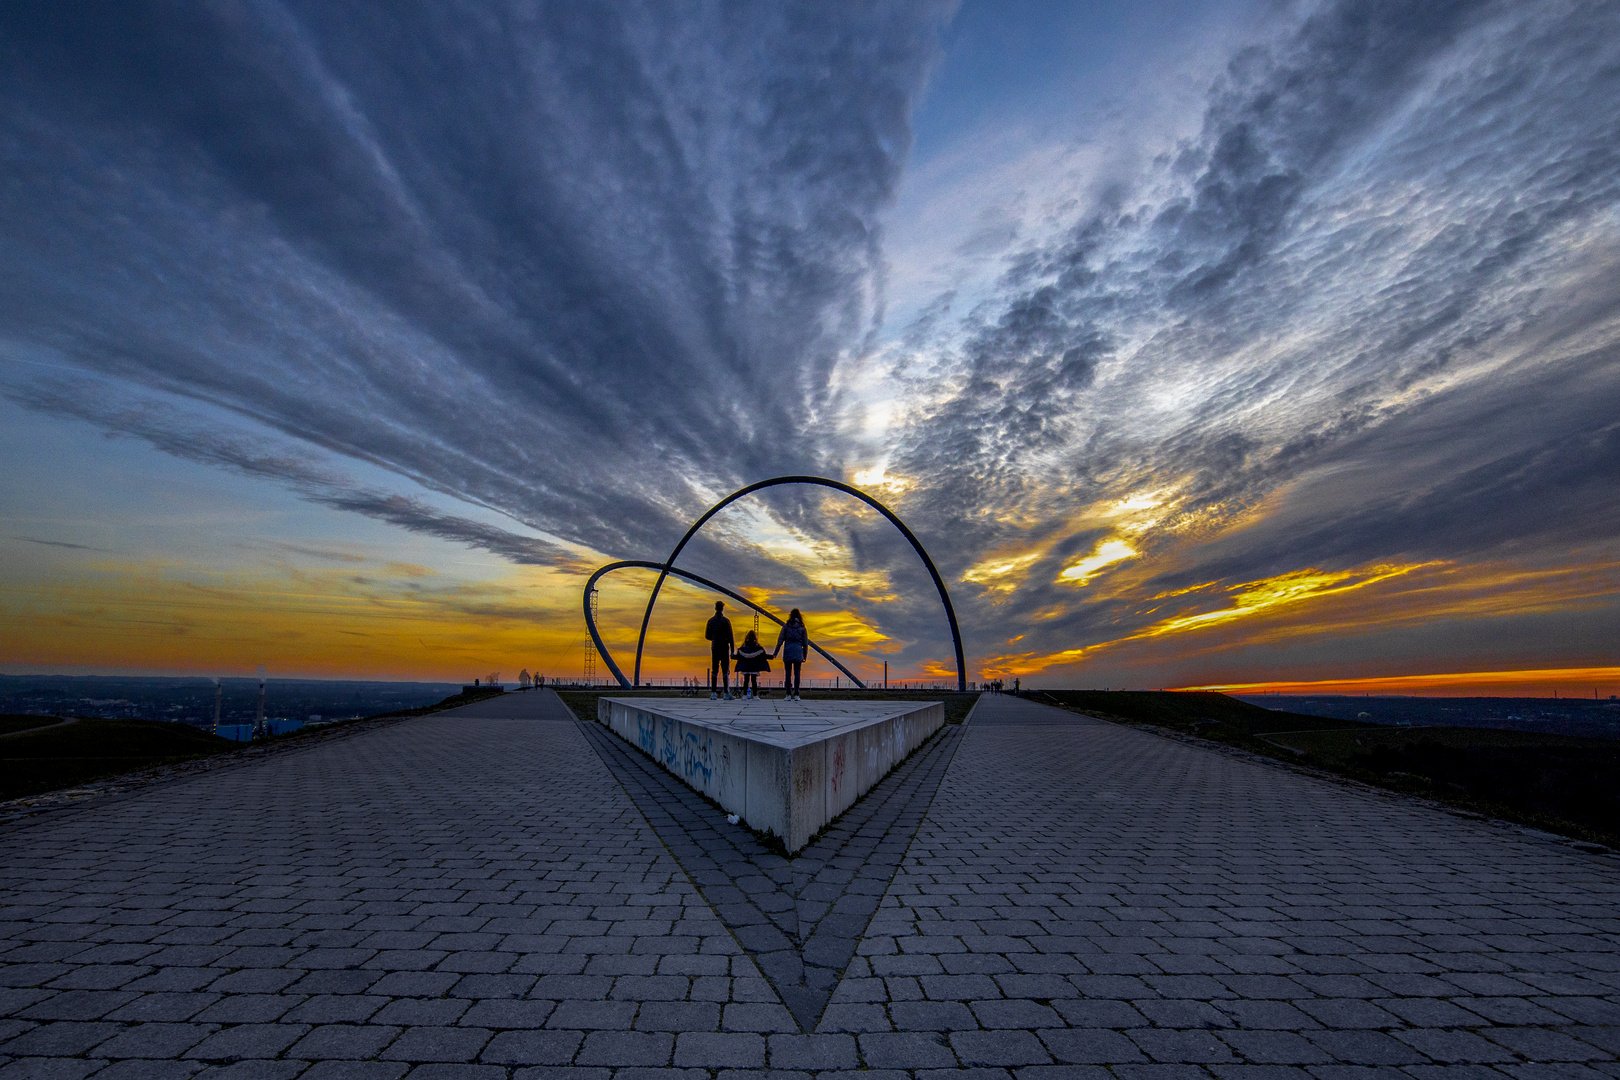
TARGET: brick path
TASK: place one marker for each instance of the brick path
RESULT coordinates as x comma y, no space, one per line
480,897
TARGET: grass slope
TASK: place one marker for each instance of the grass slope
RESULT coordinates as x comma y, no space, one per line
10,723
1560,783
86,750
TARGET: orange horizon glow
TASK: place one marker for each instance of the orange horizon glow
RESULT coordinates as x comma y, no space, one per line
388,621
1540,682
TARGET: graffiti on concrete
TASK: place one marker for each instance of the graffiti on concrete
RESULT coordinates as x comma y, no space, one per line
669,749
646,727
698,761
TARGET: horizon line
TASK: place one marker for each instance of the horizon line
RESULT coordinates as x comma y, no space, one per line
1575,682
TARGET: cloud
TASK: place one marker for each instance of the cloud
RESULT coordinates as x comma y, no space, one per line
163,426
59,544
580,262
1368,314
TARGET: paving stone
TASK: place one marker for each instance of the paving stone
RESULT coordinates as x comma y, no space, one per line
1276,1048
1094,1046
719,1050
437,1044
622,1048
756,1017
1544,1046
64,1038
347,1042
248,1041
356,1070
275,1070
813,1052
147,1069
1062,1072
906,1050
50,1068
1454,1047
247,1009
77,1005
501,1014
154,1040
999,1048
163,1007
678,1016
932,1016
555,1072
448,1071
1026,1015
532,1048
604,1015
428,1012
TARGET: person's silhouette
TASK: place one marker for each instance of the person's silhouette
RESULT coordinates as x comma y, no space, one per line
721,640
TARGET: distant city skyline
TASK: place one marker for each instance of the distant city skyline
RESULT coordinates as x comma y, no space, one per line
1242,345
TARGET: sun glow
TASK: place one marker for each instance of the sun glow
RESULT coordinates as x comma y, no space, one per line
877,478
1107,554
1146,500
999,571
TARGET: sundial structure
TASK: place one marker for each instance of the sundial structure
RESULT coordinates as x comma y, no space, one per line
784,767
667,567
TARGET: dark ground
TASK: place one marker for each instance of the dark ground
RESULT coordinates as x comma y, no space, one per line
1565,784
1558,716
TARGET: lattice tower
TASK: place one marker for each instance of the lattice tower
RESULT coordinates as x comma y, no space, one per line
590,647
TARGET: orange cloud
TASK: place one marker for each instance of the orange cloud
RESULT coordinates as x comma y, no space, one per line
1264,597
1314,603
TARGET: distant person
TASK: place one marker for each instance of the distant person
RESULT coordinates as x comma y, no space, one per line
751,660
793,645
1017,687
721,641
523,679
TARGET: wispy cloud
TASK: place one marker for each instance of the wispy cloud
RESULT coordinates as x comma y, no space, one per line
60,544
566,261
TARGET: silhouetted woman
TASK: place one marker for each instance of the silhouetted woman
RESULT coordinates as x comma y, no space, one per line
793,644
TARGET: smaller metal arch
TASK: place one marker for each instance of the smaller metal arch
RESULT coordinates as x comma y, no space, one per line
607,657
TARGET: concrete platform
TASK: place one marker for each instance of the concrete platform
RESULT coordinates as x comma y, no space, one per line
789,767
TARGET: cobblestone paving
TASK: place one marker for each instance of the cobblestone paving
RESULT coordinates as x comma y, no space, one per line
478,897
1089,896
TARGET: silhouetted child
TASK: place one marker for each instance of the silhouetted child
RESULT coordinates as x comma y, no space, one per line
751,661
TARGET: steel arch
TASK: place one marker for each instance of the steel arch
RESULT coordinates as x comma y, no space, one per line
607,657
668,565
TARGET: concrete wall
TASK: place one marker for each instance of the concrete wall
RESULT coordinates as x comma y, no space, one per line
792,791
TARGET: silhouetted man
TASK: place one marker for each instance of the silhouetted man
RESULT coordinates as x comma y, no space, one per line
721,641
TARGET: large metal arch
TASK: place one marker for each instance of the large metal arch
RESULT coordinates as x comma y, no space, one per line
607,657
817,481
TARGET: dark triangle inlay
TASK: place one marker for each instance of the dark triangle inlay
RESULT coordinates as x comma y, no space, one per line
799,919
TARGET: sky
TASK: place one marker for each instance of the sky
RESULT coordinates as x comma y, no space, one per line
1247,344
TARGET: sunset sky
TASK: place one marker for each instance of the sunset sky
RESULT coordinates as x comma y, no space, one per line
1253,345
